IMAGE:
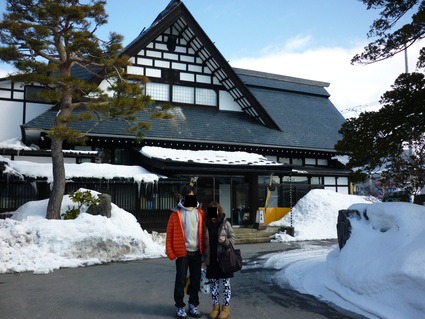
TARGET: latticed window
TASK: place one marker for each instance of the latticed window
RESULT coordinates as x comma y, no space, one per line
183,94
158,91
206,97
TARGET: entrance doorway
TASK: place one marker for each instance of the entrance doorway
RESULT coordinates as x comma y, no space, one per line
231,192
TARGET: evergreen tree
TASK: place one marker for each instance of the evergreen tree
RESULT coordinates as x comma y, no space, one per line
393,138
390,43
47,41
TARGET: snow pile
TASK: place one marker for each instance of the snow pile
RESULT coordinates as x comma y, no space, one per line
385,256
30,242
315,215
379,273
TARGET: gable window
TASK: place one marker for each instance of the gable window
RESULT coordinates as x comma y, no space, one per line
158,91
206,97
183,94
322,162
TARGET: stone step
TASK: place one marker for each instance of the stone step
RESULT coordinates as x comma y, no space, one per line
252,235
245,235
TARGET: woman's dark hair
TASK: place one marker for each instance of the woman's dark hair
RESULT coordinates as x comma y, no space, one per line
219,208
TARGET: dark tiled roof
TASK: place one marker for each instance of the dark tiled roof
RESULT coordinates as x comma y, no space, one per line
282,82
306,120
300,107
191,124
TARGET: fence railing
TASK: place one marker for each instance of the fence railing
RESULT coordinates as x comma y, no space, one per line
14,193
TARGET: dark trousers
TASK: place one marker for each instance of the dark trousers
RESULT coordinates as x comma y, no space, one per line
191,262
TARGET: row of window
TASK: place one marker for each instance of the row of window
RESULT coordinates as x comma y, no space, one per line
181,94
299,161
175,63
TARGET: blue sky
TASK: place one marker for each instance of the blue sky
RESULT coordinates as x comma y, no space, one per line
313,39
242,28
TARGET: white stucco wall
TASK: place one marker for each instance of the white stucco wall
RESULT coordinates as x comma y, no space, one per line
11,117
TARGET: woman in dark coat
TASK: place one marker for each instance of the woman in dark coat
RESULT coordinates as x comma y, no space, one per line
219,235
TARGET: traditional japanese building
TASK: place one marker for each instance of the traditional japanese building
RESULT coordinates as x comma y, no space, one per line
237,133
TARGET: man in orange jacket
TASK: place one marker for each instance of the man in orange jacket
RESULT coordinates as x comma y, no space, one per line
184,244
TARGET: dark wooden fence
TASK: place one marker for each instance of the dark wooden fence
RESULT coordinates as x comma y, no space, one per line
125,194
153,219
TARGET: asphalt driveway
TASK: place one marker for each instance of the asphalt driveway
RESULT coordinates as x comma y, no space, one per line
144,289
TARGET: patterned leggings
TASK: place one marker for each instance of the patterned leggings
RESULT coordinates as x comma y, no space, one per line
215,290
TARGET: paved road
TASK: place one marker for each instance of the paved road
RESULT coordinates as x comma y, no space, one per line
144,289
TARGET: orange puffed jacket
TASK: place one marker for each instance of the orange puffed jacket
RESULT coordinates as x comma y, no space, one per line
175,243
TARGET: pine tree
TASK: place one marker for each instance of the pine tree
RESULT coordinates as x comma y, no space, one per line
48,41
392,138
393,37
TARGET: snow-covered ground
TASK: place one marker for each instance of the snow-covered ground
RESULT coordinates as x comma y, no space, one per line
380,273
30,242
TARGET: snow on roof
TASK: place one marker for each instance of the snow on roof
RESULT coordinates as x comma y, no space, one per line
207,156
83,170
15,144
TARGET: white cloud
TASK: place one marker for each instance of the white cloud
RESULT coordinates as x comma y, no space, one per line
350,85
3,73
297,43
5,69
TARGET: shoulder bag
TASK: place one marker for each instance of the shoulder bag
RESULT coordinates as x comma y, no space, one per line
230,260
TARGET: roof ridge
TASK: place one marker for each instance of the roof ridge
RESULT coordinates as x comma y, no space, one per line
163,13
171,5
281,77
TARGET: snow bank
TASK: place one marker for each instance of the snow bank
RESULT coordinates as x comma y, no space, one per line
30,242
315,215
384,258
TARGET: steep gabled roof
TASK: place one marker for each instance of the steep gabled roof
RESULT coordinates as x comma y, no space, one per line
308,120
300,107
279,111
178,16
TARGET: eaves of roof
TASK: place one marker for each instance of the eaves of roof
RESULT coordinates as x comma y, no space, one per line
170,166
321,171
45,153
204,125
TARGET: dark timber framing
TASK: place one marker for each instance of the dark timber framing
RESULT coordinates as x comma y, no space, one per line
189,30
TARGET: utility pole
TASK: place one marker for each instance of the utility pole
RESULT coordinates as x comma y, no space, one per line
406,66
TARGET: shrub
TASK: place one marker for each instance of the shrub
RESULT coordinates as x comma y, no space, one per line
81,198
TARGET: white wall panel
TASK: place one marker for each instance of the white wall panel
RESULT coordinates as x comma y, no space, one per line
10,119
227,103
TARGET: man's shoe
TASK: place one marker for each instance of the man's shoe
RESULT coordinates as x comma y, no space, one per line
194,312
181,313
